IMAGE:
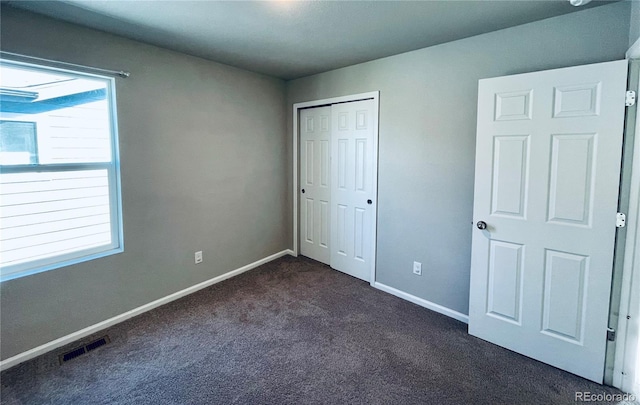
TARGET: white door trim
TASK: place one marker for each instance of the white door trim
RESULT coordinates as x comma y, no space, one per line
375,95
634,51
627,351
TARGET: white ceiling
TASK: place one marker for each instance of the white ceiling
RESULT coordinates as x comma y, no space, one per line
290,39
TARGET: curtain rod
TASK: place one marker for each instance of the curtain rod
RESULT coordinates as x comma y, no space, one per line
120,73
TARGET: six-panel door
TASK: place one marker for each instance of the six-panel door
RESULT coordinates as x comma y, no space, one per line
315,178
352,192
548,155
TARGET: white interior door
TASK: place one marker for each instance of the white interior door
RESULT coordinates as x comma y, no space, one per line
315,177
548,155
353,199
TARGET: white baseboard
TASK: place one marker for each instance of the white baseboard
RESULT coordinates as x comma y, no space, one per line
422,302
54,344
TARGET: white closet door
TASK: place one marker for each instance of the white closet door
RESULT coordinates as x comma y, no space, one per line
315,176
352,194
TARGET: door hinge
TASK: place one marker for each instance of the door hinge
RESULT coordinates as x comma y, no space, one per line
621,220
611,334
630,98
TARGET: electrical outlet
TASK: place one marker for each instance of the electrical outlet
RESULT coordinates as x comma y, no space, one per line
198,256
417,268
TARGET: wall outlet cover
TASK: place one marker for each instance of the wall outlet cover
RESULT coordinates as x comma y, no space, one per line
417,268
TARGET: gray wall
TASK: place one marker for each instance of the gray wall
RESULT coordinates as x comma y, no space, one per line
203,168
427,135
634,29
206,162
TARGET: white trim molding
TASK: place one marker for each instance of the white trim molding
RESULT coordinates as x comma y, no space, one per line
634,51
54,344
626,370
422,302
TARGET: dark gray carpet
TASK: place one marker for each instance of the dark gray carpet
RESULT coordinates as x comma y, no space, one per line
291,332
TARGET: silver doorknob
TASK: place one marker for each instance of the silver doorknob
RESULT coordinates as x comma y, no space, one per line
481,225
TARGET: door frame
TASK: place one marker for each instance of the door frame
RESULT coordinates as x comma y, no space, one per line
375,96
627,345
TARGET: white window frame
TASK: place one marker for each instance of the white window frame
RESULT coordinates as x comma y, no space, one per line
115,195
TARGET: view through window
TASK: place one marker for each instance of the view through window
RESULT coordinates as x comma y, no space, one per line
59,180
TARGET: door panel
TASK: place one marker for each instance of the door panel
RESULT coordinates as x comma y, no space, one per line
315,136
353,199
572,177
548,155
510,174
564,295
505,276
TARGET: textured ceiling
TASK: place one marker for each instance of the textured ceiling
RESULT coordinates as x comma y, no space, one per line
291,39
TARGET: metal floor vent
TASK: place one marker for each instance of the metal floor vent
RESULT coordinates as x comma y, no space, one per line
79,351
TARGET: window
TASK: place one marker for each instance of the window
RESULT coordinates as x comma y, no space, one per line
18,142
59,174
